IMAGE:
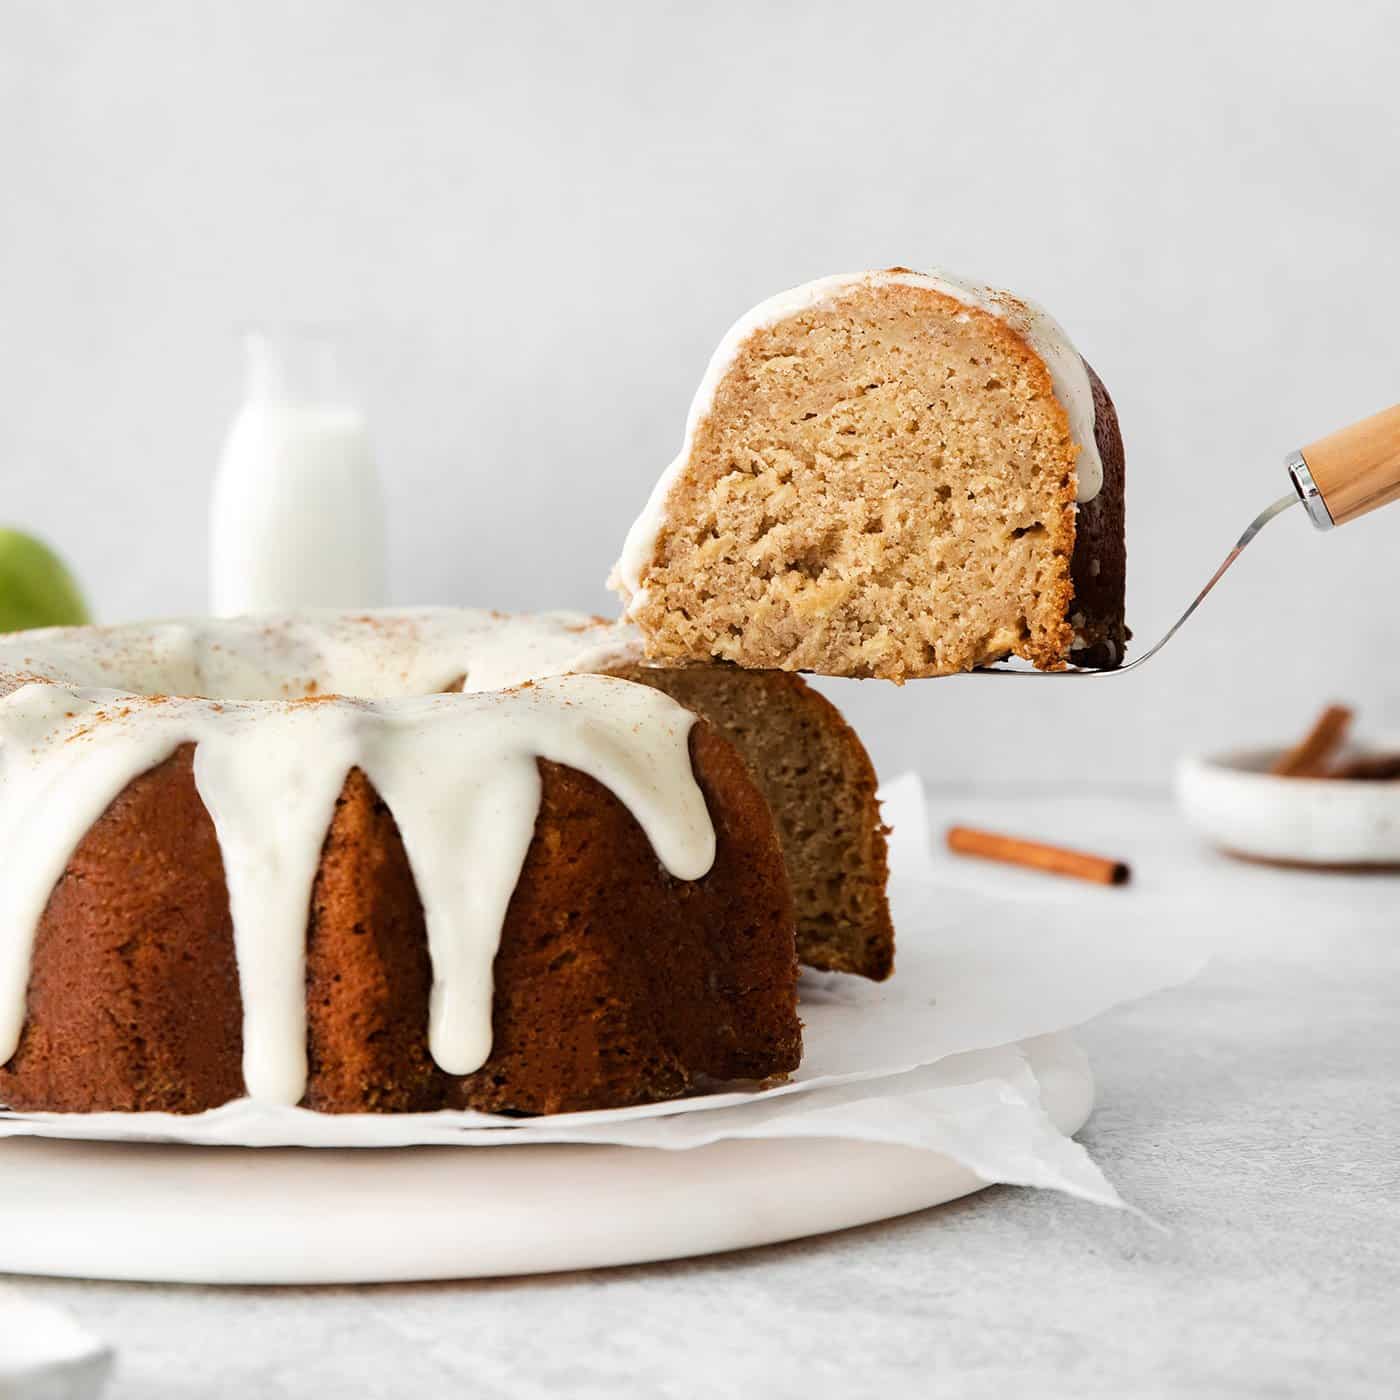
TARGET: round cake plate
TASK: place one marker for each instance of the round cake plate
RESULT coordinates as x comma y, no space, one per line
232,1215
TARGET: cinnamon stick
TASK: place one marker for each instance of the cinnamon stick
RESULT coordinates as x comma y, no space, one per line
1374,768
1036,855
1310,756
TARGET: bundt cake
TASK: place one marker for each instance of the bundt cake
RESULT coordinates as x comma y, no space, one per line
274,859
887,474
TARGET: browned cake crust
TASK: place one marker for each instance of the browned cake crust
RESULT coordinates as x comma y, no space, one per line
1099,564
615,983
133,990
818,779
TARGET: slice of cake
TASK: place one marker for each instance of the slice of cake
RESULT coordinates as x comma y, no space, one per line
820,785
888,474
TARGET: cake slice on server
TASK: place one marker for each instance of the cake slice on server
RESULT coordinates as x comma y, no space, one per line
889,474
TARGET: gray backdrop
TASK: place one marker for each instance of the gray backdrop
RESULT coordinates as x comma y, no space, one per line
539,218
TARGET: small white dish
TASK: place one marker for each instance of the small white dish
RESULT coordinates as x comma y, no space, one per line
1238,804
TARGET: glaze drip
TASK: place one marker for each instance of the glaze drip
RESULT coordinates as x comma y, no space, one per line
459,773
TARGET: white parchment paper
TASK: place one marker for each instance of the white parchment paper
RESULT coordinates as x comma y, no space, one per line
945,1056
45,1354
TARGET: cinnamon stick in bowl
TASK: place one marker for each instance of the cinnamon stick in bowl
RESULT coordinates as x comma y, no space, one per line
1370,768
1036,855
1310,756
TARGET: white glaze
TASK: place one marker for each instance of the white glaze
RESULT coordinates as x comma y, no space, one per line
269,776
458,772
1034,324
377,655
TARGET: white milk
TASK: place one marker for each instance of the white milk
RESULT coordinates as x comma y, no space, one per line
297,518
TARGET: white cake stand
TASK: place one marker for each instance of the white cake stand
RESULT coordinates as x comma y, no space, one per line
179,1214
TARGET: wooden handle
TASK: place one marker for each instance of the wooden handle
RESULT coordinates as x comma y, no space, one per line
1357,469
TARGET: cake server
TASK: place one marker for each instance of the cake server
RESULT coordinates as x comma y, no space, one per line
1337,479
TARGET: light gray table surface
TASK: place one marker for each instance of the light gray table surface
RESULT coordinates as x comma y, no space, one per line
1254,1114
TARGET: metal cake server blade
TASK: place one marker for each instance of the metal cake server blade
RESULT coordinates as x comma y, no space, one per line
1336,480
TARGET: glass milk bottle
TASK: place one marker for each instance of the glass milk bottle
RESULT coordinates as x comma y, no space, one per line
297,519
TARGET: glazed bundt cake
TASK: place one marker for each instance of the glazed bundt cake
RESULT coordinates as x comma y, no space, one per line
887,474
274,859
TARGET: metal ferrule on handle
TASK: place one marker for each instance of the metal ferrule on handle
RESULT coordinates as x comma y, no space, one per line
1350,472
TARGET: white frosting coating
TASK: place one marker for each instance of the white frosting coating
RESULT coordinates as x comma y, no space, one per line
458,772
269,776
1035,325
376,655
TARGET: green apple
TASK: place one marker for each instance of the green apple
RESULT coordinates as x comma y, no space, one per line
36,589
